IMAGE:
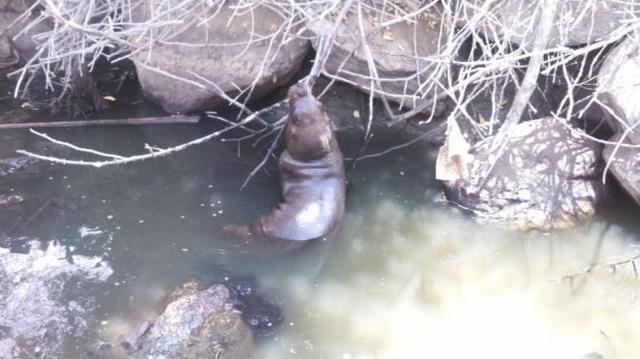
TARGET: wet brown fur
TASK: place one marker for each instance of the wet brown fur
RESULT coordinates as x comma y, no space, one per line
312,177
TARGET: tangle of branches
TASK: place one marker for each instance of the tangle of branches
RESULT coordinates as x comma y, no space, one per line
483,47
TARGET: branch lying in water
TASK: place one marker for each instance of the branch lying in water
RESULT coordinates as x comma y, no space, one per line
612,266
166,120
118,160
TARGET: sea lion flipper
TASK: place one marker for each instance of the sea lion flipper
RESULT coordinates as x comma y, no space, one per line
238,231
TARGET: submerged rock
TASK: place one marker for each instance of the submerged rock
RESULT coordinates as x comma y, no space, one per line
232,49
546,178
16,168
619,89
195,324
264,318
10,199
33,310
15,165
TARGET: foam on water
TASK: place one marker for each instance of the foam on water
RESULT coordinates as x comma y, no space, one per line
34,310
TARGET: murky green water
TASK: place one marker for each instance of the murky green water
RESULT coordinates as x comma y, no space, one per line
405,276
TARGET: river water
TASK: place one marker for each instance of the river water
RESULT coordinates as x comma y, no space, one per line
405,276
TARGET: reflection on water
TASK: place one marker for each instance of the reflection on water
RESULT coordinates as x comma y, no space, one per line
407,283
404,277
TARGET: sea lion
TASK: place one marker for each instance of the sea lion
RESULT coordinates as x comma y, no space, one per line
312,178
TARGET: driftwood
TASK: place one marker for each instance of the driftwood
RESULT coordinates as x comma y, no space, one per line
167,120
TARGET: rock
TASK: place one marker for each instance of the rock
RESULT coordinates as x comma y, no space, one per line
618,86
619,89
21,167
32,307
9,199
217,51
18,6
263,317
12,48
547,178
16,165
195,324
8,55
625,166
576,23
392,50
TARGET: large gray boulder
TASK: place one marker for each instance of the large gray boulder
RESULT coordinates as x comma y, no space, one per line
234,50
619,88
195,324
546,178
577,22
624,163
17,39
395,51
8,55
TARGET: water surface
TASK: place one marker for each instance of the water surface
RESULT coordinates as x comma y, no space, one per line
404,276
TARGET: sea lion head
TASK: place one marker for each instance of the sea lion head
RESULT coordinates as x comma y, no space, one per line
309,135
303,106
